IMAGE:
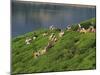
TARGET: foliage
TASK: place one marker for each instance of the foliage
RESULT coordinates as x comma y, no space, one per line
85,24
73,51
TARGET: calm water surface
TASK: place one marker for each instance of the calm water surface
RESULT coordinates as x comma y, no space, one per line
27,17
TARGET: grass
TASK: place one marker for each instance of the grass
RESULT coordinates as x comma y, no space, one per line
73,51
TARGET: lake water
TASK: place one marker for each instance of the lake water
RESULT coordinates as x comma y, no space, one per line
27,17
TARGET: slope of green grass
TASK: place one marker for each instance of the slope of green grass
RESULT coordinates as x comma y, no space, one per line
73,51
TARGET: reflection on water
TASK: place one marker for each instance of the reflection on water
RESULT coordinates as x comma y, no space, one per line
28,17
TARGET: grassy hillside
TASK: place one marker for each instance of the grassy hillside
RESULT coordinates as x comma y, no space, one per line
73,51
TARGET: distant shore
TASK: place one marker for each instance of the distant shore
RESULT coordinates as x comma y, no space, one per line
61,4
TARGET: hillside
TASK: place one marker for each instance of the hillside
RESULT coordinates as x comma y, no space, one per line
73,51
